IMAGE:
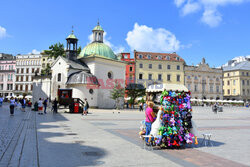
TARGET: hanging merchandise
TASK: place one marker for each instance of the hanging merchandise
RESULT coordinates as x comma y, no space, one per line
174,120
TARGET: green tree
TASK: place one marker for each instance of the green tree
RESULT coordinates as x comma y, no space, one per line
117,93
47,70
79,50
135,90
55,50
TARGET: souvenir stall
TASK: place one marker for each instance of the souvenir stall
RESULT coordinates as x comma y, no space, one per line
173,126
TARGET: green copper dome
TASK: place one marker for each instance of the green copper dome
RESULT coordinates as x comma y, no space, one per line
97,49
71,36
98,28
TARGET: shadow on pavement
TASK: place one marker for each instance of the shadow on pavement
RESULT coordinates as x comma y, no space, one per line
59,146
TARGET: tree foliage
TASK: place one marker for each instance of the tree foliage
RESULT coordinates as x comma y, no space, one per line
55,50
117,93
135,90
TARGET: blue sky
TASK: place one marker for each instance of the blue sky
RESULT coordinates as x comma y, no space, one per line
215,29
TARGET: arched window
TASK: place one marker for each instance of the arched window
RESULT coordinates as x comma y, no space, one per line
59,77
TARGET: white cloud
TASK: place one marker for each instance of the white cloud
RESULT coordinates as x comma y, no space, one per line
145,38
211,16
34,51
190,8
116,49
178,3
3,32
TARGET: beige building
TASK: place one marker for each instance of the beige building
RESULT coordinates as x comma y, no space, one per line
154,68
236,81
204,82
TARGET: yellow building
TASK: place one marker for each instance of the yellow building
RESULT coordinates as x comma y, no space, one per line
46,60
154,68
236,81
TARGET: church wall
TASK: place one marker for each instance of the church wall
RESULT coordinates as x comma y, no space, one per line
41,88
82,92
101,72
59,67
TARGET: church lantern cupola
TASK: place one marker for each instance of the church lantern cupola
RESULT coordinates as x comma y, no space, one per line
71,50
98,33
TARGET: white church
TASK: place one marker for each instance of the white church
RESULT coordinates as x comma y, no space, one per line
90,74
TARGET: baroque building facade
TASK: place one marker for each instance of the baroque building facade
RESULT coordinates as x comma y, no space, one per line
155,68
236,81
204,82
7,75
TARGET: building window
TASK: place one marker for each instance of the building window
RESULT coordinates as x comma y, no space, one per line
159,66
149,76
248,91
188,77
247,82
150,66
159,57
217,89
247,73
26,88
27,70
234,82
195,88
141,65
234,92
228,82
228,91
130,77
31,87
242,73
168,77
27,78
1,86
110,75
169,67
9,86
140,76
217,79
159,77
22,70
178,67
178,78
91,91
189,86
33,70
177,58
149,56
59,77
16,87
21,78
21,87
130,69
211,88
195,77
243,91
167,57
140,56
243,82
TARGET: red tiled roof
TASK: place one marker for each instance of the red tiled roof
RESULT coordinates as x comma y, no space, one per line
154,56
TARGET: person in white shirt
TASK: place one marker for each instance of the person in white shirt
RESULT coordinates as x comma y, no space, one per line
40,106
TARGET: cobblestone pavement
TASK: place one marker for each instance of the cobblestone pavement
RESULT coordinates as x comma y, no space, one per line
110,138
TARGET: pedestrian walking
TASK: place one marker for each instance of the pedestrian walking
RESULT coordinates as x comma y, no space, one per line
141,107
23,102
54,107
40,106
1,101
45,104
12,106
86,107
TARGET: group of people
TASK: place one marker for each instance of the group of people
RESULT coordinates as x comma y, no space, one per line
15,102
43,104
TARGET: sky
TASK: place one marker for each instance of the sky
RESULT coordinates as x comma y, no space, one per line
217,30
